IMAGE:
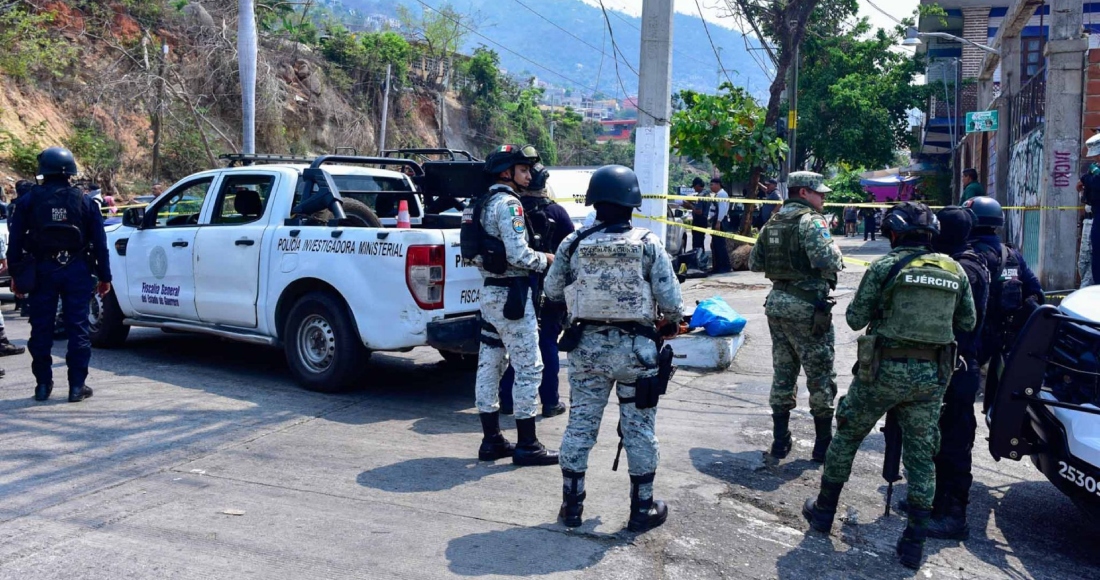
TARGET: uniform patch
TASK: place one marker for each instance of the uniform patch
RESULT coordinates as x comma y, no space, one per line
820,224
516,210
517,224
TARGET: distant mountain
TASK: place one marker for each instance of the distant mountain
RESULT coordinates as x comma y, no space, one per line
571,62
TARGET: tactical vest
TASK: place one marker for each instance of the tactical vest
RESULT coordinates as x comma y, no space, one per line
920,300
57,219
785,258
474,241
1006,290
611,283
542,226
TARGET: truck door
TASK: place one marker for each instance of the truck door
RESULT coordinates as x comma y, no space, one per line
227,250
159,256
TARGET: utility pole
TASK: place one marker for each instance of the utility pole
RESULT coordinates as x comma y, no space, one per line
651,152
1065,50
246,50
158,115
385,112
792,114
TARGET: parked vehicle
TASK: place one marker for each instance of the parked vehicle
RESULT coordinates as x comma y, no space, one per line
296,253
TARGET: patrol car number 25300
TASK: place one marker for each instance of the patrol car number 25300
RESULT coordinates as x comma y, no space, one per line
1078,478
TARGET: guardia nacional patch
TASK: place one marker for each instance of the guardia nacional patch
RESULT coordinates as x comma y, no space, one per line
517,224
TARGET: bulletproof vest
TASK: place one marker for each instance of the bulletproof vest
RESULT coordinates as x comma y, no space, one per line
474,241
786,259
611,282
541,225
919,302
57,216
1006,290
471,232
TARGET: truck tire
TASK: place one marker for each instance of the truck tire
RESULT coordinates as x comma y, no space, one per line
105,322
322,343
459,361
359,215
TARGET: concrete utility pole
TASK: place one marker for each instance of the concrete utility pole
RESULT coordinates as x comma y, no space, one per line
246,50
1066,47
385,111
792,115
651,148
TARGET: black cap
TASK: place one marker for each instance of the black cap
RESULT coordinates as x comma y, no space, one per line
955,225
697,182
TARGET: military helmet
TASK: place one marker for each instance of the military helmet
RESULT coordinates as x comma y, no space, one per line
910,217
506,157
539,175
987,212
614,184
1093,145
56,161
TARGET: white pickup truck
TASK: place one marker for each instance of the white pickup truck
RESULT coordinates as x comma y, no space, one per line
254,253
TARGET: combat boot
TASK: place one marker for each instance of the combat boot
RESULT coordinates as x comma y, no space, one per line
820,513
645,514
910,548
572,498
823,429
78,394
493,444
42,392
528,449
950,525
7,348
781,434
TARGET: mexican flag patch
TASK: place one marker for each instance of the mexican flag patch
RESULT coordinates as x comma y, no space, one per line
516,210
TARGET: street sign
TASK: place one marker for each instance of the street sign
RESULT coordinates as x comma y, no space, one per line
980,121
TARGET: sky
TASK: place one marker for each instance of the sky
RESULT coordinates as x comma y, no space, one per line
711,8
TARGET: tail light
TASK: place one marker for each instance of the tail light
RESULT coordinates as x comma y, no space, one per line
425,267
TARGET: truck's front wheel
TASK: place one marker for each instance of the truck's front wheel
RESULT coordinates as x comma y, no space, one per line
105,322
322,344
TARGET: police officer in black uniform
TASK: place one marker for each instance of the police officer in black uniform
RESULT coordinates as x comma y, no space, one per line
57,241
1014,290
957,422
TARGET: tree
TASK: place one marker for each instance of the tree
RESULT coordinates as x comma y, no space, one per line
441,30
856,93
730,130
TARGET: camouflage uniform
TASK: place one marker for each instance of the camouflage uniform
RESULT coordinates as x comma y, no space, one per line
790,318
608,356
503,219
914,388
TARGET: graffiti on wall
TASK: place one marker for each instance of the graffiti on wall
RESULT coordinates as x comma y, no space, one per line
1025,179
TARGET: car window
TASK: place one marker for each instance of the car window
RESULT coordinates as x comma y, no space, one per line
183,205
242,199
382,194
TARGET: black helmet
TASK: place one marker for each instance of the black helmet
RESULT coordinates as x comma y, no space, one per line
910,217
507,156
955,225
614,184
986,211
56,161
539,175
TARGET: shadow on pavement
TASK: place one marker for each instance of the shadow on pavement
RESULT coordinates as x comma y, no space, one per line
748,468
524,552
430,474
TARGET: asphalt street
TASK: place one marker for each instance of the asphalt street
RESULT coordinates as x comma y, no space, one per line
201,458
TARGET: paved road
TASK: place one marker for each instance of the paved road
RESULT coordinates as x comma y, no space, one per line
381,482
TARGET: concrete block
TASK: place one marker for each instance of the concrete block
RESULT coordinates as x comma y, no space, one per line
696,350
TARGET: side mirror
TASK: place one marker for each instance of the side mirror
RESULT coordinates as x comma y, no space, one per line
134,217
678,213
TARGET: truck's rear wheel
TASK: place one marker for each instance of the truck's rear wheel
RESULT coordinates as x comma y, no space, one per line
359,215
105,322
322,344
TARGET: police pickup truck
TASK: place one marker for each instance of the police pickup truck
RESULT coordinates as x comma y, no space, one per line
296,253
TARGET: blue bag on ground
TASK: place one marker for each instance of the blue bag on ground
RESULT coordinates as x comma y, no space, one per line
717,318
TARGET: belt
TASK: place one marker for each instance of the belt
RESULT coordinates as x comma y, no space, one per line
636,328
926,354
790,288
503,282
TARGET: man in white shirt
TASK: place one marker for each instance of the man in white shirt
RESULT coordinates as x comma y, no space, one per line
719,214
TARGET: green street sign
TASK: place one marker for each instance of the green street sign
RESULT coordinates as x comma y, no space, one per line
980,121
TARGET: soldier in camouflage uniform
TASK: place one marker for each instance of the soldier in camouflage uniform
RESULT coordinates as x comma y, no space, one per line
616,280
509,327
796,252
913,301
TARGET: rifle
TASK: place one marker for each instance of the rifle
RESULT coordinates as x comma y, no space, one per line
891,462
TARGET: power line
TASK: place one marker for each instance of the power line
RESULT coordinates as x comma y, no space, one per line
505,48
615,49
887,14
579,39
706,29
679,52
